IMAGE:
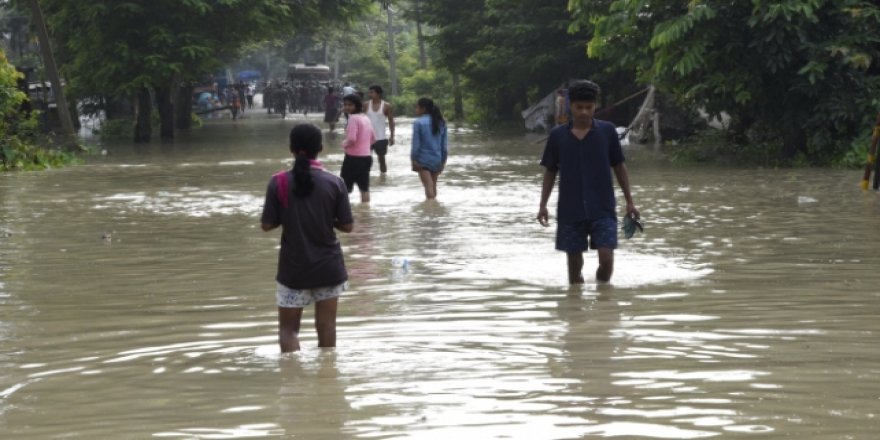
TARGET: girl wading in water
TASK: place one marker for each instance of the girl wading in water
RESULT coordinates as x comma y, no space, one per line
308,203
429,149
358,138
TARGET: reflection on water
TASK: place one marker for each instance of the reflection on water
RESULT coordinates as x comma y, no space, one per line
136,300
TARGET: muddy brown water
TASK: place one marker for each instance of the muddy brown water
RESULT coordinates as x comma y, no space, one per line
137,301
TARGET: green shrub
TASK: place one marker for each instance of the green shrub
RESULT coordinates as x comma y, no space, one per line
19,133
856,155
115,128
714,146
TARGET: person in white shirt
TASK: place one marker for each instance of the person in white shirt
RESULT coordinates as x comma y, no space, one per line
378,111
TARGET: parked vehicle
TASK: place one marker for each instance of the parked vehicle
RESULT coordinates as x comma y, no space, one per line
308,72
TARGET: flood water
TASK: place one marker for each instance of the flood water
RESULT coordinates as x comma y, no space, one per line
137,301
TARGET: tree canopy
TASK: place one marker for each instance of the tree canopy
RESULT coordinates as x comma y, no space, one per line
514,51
19,127
798,76
120,46
804,72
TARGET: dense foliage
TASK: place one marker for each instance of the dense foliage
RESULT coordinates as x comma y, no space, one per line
116,49
120,46
799,79
18,129
512,52
364,49
798,76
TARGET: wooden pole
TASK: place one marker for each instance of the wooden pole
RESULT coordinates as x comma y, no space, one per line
68,136
658,140
871,163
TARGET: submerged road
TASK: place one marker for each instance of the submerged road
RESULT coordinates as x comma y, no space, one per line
137,300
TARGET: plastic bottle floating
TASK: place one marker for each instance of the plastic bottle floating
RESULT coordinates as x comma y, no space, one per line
400,263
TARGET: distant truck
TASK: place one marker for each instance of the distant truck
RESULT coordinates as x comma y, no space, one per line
308,72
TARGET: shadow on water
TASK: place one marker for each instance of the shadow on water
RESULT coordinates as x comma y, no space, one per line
137,301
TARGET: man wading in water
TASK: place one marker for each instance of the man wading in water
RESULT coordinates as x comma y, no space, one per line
583,152
379,110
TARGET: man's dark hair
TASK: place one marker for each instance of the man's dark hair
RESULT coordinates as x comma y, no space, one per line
584,90
377,89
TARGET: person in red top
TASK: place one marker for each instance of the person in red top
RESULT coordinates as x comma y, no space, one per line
331,108
358,138
308,203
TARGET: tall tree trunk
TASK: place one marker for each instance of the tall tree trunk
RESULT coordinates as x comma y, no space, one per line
166,112
423,57
183,106
392,54
459,99
142,129
794,140
68,136
115,108
268,64
74,116
505,100
523,99
336,63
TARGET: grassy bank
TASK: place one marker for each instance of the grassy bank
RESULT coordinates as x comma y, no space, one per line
715,147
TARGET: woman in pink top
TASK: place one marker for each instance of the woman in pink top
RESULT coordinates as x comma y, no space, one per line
358,138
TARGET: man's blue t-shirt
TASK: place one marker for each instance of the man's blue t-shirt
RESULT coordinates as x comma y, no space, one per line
586,189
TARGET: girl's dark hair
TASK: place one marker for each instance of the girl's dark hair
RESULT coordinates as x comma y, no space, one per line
356,100
305,143
431,109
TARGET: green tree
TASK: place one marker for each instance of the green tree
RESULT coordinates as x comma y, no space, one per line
19,128
11,99
365,51
135,47
514,51
803,73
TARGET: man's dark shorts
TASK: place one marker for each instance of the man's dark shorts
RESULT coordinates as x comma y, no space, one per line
356,170
380,147
572,237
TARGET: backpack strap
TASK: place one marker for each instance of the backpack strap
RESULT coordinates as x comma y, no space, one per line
282,182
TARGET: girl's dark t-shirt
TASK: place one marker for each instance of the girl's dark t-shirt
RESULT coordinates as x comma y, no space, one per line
310,254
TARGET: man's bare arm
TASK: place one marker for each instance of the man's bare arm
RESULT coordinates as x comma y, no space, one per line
623,180
546,189
348,227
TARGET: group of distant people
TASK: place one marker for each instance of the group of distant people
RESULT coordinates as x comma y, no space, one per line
241,97
310,204
236,98
295,96
365,133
